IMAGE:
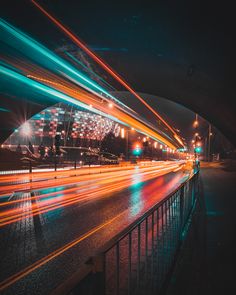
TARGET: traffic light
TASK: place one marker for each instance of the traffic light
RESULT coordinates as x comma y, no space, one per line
137,150
198,150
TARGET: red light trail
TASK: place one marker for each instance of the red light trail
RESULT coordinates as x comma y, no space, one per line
105,66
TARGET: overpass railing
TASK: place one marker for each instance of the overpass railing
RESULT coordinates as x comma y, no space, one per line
139,259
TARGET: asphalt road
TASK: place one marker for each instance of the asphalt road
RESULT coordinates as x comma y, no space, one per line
49,227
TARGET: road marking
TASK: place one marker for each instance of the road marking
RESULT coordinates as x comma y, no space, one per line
16,277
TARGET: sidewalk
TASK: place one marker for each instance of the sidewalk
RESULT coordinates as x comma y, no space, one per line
207,260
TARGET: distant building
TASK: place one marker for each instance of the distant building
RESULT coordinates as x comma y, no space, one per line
75,126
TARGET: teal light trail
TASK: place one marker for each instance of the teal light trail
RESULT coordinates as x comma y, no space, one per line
41,55
42,89
88,69
4,110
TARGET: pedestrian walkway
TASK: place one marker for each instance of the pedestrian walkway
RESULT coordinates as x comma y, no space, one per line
207,260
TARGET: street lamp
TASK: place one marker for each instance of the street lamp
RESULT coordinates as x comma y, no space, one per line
195,123
209,143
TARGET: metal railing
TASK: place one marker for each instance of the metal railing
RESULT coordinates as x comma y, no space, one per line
138,260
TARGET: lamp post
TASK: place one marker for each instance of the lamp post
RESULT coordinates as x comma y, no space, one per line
127,145
209,143
195,123
195,142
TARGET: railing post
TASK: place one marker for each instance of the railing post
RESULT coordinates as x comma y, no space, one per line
30,166
139,253
181,208
55,165
129,263
99,272
117,268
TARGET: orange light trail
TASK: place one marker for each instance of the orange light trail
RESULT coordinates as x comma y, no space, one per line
105,66
77,93
117,181
114,111
16,277
107,186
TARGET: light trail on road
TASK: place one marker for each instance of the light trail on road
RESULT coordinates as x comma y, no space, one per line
92,209
97,187
14,183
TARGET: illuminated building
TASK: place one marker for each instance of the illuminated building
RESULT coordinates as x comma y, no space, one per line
76,127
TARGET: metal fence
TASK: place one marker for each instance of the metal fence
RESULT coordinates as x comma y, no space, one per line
139,260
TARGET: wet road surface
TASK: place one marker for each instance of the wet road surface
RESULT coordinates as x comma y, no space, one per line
49,228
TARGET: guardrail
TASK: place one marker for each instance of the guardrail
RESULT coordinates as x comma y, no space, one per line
139,259
29,166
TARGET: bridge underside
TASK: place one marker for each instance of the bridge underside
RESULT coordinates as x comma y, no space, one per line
14,111
213,99
183,53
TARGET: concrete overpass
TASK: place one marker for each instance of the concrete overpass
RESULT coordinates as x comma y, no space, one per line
182,53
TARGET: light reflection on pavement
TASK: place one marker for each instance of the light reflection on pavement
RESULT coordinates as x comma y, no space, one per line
59,223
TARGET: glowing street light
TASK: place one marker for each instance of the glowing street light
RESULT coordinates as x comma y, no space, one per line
195,124
26,129
122,133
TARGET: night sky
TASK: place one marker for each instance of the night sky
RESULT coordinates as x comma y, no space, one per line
181,50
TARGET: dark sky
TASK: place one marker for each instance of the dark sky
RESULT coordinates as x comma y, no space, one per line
186,32
176,49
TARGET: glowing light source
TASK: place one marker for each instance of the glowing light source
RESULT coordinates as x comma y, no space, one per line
137,150
198,150
26,129
195,123
122,132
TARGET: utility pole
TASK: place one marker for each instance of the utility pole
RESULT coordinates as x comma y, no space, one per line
209,143
127,145
205,149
